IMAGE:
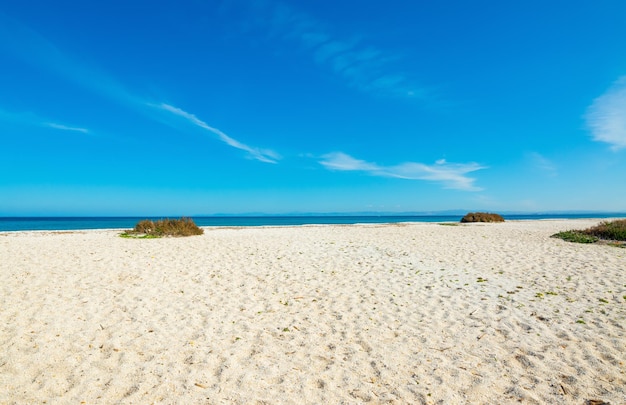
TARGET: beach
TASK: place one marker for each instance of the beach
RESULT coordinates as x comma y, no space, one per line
420,313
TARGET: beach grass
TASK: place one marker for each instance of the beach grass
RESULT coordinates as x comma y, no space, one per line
147,229
608,231
575,236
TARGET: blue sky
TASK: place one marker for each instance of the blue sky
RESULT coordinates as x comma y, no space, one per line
202,107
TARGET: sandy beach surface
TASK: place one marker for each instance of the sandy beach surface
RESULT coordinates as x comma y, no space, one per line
404,314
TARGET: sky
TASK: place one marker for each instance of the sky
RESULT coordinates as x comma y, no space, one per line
290,106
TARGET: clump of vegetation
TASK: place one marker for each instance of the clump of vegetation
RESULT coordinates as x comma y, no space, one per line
575,236
613,232
164,227
482,217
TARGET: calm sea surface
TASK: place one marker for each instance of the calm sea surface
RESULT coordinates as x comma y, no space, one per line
72,223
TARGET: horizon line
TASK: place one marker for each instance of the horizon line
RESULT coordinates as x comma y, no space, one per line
333,214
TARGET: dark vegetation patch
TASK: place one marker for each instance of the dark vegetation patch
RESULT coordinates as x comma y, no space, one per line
482,217
575,236
611,232
164,227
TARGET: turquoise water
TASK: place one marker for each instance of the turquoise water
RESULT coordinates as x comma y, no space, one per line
72,223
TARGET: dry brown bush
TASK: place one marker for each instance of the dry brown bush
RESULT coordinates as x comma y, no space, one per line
168,227
613,230
482,217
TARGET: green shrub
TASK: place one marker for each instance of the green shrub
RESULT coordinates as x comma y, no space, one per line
606,231
575,236
165,227
482,217
614,230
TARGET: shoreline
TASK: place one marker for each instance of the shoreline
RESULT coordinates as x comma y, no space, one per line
13,224
373,313
206,227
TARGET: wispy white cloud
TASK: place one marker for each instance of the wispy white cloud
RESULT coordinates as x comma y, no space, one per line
262,155
360,64
38,50
606,117
30,119
341,161
451,175
543,164
65,127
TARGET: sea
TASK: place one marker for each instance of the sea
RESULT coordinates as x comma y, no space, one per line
9,224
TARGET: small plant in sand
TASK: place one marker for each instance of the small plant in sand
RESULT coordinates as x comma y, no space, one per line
482,217
575,236
164,227
611,232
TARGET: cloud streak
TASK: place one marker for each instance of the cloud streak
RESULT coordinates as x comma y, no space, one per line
362,66
31,119
66,128
606,116
262,155
542,163
451,175
39,51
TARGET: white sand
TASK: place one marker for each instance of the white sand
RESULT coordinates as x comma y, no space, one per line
419,313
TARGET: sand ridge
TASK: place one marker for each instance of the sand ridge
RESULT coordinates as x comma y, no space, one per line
417,313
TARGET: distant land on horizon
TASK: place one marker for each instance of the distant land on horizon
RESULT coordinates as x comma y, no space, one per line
458,212
411,213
